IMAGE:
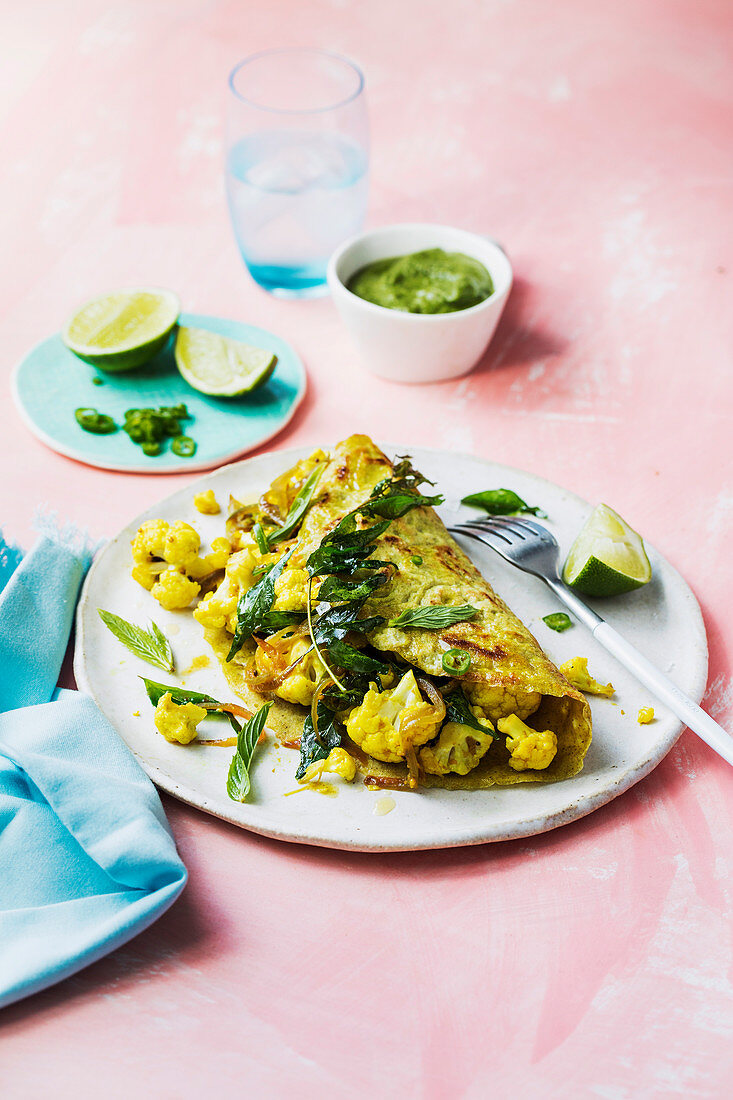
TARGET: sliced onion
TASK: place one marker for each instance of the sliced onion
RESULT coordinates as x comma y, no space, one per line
413,767
433,695
264,684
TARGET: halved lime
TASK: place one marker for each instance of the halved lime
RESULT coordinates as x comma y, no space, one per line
608,557
123,329
221,367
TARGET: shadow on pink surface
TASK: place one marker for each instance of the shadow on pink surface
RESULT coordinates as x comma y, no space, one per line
519,340
209,926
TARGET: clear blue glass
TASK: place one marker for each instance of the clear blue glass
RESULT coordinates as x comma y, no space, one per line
297,158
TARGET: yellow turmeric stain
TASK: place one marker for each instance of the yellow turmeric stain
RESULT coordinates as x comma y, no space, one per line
196,664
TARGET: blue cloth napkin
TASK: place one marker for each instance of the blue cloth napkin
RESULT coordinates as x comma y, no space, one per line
86,857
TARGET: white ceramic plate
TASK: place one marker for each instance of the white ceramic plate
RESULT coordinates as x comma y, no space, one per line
662,619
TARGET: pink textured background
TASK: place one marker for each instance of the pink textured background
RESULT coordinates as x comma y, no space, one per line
594,140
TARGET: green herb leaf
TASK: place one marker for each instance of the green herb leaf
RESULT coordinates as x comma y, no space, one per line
316,746
434,618
277,620
501,502
458,710
344,550
355,660
179,695
151,645
297,509
261,539
395,505
456,662
255,604
341,590
238,781
558,621
339,620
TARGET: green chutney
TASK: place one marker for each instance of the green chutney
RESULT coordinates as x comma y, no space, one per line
431,281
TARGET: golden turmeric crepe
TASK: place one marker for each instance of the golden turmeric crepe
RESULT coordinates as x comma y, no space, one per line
463,698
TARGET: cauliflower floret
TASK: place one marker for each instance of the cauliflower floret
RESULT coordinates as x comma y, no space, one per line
206,503
499,701
458,748
291,590
386,724
338,761
576,672
145,574
149,542
178,721
217,609
240,565
300,685
645,716
529,748
182,544
173,590
209,563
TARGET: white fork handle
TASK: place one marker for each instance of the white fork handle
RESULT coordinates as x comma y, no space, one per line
660,685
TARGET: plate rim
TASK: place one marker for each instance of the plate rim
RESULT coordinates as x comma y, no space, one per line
534,825
184,465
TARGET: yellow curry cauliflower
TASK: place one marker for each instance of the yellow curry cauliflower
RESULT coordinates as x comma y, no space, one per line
279,652
498,701
458,748
178,721
206,503
218,609
167,561
338,761
388,723
291,590
173,590
529,748
576,673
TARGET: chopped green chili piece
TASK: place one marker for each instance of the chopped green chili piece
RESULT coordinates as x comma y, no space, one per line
456,662
92,421
183,446
416,559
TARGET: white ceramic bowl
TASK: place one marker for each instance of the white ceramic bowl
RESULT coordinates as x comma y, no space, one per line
418,347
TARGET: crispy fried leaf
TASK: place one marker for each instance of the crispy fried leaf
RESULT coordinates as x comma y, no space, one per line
316,746
501,502
297,509
255,604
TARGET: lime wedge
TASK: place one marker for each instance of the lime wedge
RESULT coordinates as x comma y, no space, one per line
221,367
122,330
608,557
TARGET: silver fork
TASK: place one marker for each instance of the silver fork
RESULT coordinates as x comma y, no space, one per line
534,549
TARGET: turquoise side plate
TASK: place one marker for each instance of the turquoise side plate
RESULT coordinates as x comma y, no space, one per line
51,382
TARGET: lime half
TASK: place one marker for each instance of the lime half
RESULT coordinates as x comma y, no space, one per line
608,557
221,367
123,329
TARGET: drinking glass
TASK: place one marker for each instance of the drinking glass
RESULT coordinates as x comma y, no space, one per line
297,154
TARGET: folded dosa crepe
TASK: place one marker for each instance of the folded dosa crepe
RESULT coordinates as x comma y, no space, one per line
468,705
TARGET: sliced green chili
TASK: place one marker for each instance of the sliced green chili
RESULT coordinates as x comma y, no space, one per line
92,421
456,662
183,446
